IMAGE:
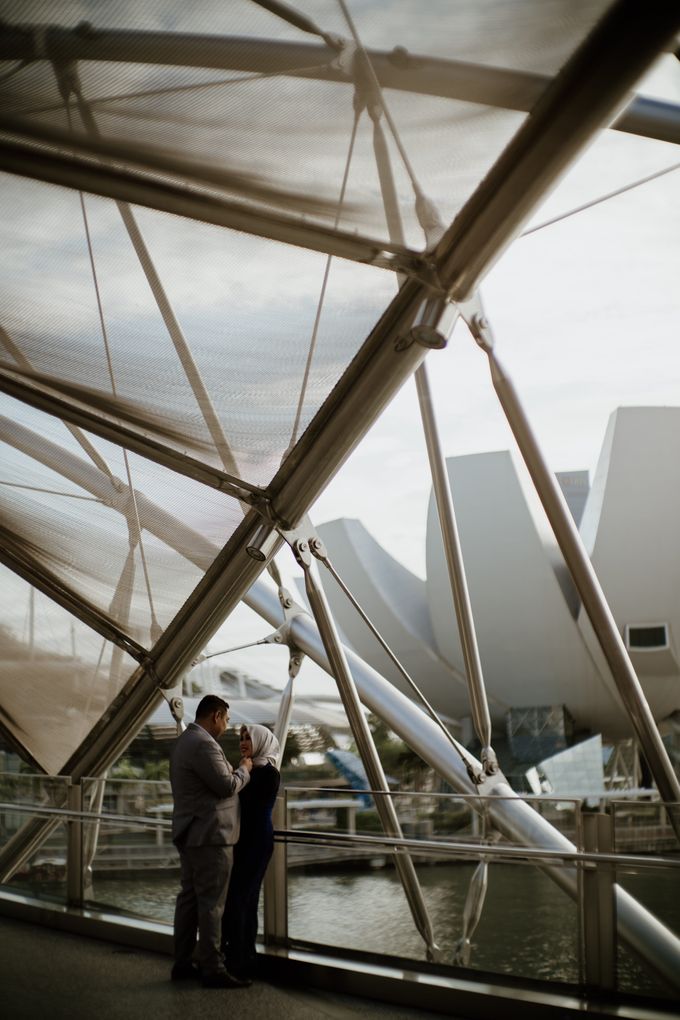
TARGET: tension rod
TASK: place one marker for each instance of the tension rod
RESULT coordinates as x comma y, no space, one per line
299,543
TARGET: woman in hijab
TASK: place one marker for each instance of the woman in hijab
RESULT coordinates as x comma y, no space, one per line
253,850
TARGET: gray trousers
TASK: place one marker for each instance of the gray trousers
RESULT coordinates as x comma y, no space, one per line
204,877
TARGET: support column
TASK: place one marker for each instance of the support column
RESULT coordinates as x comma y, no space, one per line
582,571
75,884
363,737
456,569
598,906
276,882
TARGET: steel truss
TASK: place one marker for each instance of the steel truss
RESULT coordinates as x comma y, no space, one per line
586,96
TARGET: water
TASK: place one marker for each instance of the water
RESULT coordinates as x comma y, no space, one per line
528,927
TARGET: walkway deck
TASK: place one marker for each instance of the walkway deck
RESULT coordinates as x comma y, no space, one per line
68,977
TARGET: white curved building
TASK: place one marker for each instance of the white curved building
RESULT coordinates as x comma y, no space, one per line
536,644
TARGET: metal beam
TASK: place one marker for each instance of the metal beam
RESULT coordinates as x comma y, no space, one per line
456,569
584,577
44,396
17,558
584,98
386,360
219,591
361,733
128,172
399,69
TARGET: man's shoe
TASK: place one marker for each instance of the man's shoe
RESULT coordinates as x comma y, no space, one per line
185,972
225,980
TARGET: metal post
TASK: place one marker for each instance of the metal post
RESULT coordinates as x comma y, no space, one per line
582,571
75,886
457,578
282,724
276,881
598,905
364,738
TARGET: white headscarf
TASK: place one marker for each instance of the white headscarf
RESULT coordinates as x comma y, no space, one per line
265,745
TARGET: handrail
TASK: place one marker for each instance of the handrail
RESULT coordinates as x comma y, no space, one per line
67,815
340,840
457,849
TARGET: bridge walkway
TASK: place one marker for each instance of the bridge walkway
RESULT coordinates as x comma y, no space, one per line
70,977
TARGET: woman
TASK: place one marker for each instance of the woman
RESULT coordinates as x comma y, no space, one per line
252,852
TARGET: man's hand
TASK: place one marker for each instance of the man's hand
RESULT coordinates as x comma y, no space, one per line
246,763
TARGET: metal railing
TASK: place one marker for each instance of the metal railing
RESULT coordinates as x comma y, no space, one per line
318,829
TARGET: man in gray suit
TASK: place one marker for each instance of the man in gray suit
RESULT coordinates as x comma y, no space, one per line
205,826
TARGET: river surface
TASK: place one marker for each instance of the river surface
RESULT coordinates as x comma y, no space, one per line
529,927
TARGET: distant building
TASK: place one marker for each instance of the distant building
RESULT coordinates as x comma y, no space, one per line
575,485
536,644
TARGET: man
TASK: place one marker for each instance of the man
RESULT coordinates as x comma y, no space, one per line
205,826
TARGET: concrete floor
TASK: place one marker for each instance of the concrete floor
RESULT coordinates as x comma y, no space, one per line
45,973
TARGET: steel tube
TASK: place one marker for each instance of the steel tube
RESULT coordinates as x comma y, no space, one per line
379,369
585,97
276,882
367,750
75,885
152,179
456,569
588,585
418,73
19,560
90,418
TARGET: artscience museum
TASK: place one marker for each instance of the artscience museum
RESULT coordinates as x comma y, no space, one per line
536,645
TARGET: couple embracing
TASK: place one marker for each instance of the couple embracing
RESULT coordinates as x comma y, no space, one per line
222,828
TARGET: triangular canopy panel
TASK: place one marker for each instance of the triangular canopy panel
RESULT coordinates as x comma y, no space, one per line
173,337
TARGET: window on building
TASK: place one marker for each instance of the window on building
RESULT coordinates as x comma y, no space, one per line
647,636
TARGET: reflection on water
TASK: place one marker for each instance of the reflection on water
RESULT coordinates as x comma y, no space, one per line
528,926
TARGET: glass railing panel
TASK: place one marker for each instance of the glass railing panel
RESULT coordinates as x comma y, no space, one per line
353,898
132,865
42,875
657,889
135,870
643,828
25,789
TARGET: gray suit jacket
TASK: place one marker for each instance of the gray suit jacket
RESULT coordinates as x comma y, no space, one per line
205,791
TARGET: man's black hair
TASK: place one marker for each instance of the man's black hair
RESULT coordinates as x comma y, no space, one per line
210,704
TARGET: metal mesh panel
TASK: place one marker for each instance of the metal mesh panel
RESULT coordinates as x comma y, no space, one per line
246,307
235,102
83,526
57,676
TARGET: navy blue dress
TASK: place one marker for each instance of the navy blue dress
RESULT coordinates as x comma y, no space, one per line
251,857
